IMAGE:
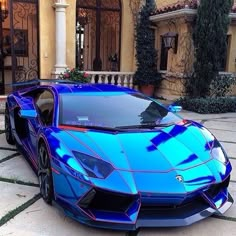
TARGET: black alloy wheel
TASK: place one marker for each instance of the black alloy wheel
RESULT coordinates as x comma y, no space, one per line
45,174
8,133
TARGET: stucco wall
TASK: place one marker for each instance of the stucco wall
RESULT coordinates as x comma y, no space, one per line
46,38
70,31
231,62
161,3
127,39
179,62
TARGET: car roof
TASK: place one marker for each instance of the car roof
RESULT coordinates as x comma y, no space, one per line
77,88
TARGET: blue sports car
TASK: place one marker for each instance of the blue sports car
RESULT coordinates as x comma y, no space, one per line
114,158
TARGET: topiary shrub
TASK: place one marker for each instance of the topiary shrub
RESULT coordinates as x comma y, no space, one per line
221,85
208,105
146,54
209,38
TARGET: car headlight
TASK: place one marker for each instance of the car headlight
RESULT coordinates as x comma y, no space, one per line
94,167
219,154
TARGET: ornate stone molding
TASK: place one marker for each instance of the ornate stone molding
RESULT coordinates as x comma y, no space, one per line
60,2
185,12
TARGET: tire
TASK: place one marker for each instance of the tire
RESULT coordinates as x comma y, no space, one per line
45,174
8,132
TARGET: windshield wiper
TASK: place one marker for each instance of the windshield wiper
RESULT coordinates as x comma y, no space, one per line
93,127
144,126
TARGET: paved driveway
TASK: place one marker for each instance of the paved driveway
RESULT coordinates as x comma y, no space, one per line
23,212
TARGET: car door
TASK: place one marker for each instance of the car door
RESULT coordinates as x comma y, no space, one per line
44,104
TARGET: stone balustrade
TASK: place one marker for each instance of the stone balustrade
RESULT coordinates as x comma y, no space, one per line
112,77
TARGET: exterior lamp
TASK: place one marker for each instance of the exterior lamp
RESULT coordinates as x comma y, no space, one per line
3,10
171,41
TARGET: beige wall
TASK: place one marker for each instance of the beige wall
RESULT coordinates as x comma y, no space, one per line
161,3
127,38
70,31
179,62
231,62
46,38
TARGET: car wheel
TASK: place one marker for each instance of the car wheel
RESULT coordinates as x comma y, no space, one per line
45,174
8,133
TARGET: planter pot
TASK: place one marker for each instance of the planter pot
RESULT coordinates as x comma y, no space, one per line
147,89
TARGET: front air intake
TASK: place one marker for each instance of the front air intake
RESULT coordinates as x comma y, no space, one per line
102,200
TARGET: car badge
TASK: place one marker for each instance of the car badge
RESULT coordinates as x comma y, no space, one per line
179,178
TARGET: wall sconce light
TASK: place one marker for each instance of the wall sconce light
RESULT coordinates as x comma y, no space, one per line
3,10
171,41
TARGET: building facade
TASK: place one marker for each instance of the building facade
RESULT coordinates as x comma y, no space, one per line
41,38
176,63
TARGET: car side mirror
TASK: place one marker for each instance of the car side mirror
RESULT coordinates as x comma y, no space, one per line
28,114
174,109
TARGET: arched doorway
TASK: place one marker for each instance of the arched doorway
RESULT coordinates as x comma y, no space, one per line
19,60
98,34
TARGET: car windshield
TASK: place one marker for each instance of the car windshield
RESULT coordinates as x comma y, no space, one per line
113,110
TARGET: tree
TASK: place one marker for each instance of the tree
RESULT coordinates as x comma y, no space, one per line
146,54
209,37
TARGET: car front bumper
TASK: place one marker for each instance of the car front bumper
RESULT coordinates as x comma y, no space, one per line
150,216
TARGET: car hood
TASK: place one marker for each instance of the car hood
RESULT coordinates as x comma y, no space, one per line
161,150
178,152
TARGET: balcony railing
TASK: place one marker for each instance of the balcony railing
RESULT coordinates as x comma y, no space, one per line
112,77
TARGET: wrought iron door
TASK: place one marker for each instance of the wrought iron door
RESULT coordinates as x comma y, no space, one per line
98,34
2,81
20,42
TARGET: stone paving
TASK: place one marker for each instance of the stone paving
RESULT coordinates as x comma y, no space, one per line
24,213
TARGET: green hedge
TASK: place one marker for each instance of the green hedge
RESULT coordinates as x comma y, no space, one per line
208,105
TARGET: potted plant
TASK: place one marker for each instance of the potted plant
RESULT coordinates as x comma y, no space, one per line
146,76
75,75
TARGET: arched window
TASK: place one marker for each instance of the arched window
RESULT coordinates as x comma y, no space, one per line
98,27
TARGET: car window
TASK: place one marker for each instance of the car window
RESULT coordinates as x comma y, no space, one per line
112,110
45,103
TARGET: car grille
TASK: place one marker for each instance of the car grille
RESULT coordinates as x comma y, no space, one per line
174,211
101,200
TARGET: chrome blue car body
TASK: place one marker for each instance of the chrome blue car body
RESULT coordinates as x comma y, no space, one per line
159,171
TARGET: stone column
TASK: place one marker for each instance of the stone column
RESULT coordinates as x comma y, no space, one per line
60,20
